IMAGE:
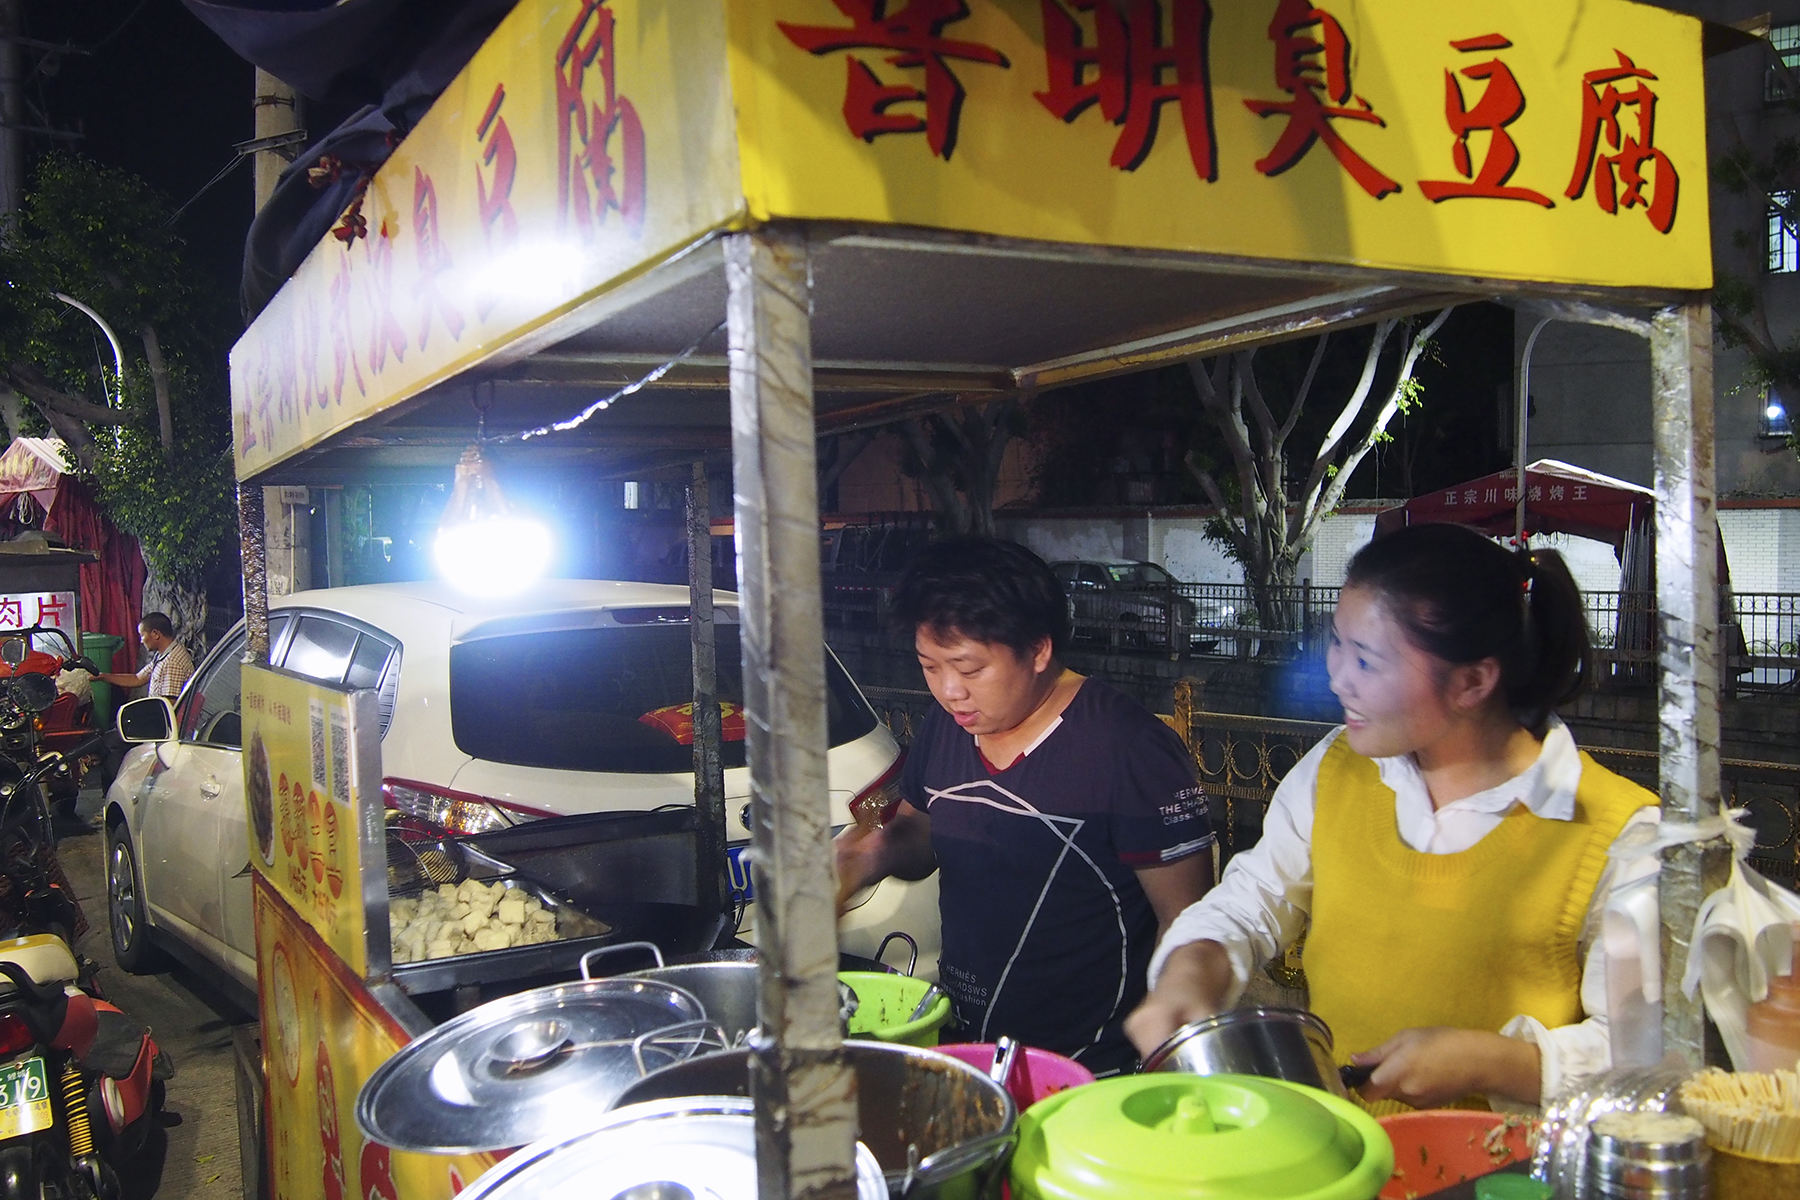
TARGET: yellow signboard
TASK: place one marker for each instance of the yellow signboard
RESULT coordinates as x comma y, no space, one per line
311,782
1511,139
589,140
586,139
323,1036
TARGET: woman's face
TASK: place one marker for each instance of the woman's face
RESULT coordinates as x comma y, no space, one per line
1393,693
986,687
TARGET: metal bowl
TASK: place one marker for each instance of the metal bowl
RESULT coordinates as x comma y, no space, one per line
1279,1043
940,1128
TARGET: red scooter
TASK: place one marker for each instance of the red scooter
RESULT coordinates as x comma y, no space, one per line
81,1083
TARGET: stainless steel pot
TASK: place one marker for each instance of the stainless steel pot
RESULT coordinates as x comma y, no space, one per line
1279,1043
726,990
696,1147
940,1128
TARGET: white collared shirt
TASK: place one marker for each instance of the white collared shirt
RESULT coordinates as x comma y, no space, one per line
1260,906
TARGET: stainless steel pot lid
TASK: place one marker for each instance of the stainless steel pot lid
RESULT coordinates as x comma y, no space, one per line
542,1064
695,1148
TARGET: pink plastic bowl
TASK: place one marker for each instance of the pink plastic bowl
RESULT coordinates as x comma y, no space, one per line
1036,1073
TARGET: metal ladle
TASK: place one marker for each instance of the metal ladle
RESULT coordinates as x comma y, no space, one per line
1006,1053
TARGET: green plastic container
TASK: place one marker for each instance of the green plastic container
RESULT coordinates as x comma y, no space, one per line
1173,1136
101,647
884,1006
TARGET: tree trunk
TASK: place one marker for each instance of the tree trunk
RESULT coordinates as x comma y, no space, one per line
184,604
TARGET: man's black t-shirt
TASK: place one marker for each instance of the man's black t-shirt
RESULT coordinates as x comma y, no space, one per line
1046,932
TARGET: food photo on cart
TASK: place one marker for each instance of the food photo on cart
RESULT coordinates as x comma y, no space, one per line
834,216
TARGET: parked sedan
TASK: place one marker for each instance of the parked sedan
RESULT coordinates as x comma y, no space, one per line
1138,604
493,713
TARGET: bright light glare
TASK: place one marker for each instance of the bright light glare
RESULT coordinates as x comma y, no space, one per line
495,557
1774,412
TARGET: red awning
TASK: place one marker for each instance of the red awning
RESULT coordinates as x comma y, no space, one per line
1559,498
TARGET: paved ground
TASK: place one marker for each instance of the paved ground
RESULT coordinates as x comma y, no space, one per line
198,1158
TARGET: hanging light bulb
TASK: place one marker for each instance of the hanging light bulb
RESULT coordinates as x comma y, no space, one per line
483,546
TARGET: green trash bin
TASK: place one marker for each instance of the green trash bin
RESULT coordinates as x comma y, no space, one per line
100,647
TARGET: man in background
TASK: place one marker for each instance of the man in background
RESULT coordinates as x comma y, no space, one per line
168,665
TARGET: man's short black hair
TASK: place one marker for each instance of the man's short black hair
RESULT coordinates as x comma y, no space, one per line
155,622
984,588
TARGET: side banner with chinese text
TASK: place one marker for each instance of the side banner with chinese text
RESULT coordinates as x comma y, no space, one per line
312,788
323,1036
586,139
1514,139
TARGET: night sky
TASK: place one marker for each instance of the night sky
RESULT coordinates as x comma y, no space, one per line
160,96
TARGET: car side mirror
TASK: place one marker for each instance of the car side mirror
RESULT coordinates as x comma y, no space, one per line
151,719
13,651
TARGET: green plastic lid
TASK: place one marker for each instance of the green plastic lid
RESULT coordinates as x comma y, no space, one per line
1218,1137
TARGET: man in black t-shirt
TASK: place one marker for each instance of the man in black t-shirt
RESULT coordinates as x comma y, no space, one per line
1064,820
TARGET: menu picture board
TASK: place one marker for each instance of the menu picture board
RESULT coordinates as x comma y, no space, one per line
312,772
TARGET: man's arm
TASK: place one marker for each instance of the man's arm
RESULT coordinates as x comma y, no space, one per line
901,848
125,679
1171,887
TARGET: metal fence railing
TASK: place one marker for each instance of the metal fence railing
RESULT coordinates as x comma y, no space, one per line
1241,759
1760,639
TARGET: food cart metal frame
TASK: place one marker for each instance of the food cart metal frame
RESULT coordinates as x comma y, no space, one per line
897,213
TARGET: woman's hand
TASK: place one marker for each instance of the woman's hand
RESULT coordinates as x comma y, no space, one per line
1429,1068
1196,982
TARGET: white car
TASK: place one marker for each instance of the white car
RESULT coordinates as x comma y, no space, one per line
494,713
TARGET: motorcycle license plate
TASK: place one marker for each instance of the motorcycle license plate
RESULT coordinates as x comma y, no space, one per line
24,1098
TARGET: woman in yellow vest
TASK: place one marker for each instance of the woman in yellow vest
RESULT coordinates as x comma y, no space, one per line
1444,850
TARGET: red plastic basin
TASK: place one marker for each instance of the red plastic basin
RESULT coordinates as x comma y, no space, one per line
1437,1148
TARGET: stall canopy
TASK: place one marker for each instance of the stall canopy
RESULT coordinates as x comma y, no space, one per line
996,197
37,492
1559,498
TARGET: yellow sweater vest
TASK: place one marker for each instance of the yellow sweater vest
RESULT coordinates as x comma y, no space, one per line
1401,939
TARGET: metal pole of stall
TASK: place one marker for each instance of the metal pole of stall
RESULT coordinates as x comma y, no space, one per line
1687,603
251,541
709,734
805,1092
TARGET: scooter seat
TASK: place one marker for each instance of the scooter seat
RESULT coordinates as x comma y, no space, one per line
44,956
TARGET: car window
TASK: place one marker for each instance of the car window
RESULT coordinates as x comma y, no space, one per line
209,708
611,698
367,661
1093,574
320,649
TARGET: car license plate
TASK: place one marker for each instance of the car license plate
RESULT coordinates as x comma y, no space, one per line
24,1098
737,866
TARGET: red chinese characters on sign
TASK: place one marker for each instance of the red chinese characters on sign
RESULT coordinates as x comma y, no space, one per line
599,139
1127,70
493,187
912,32
386,335
342,335
1501,103
53,609
1312,65
433,261
1618,145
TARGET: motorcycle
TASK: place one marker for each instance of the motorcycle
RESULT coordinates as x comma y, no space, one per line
35,718
81,1083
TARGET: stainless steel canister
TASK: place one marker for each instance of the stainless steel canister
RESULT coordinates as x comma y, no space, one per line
1278,1043
1648,1156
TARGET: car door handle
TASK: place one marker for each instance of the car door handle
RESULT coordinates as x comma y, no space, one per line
210,787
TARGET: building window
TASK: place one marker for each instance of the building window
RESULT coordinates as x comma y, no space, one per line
1784,245
633,499
1773,422
1784,40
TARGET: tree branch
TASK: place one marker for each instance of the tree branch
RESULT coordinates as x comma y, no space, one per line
1335,491
33,384
159,380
